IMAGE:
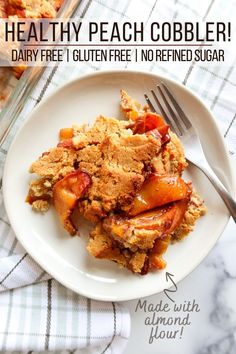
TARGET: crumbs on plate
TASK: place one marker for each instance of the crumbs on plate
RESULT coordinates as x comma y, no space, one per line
125,177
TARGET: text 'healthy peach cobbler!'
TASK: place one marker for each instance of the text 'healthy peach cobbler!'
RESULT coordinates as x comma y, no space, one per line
125,177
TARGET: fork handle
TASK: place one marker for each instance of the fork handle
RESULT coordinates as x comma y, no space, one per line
224,194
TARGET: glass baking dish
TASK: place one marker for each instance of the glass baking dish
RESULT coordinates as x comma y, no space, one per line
14,92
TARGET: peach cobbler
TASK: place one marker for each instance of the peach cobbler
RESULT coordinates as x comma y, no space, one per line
125,176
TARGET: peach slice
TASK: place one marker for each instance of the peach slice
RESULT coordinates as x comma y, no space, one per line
159,190
142,230
66,133
66,193
153,124
160,246
150,121
165,218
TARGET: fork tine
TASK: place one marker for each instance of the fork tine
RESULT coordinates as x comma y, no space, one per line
179,110
174,119
159,105
149,103
163,112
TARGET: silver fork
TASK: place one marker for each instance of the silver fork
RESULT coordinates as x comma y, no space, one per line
181,125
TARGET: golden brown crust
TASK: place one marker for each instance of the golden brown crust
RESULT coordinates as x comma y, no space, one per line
40,194
40,205
195,210
40,187
54,164
102,246
171,160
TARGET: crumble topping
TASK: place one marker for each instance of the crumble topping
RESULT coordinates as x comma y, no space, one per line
54,164
118,166
196,209
40,205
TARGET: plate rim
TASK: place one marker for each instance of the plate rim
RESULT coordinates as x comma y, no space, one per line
231,181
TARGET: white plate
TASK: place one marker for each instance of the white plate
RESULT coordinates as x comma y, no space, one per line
66,258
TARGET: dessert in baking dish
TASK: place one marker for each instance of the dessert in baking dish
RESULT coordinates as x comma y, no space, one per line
29,8
125,176
35,9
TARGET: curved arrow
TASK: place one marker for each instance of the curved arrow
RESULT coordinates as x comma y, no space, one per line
166,291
